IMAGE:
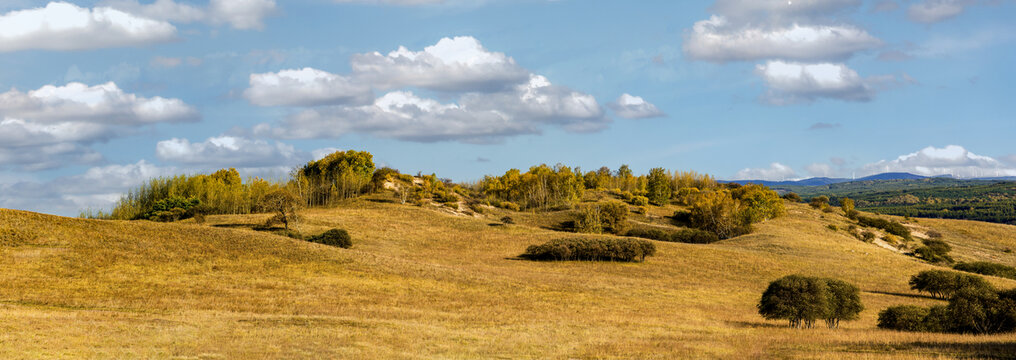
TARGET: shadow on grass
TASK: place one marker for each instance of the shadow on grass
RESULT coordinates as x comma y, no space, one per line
978,350
915,296
238,226
756,325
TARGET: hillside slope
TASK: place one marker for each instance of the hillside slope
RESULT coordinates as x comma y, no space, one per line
421,283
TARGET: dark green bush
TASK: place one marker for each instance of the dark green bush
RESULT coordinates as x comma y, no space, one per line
333,237
803,299
944,284
172,209
693,236
903,318
602,249
649,233
507,220
891,227
987,268
614,217
934,251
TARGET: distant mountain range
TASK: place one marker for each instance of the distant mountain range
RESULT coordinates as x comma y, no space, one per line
822,181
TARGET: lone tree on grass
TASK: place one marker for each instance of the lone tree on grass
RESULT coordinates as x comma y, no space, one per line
284,204
801,300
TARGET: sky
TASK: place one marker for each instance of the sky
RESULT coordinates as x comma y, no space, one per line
98,96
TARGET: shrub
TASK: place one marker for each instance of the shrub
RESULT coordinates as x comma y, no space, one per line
801,300
934,251
284,203
793,197
867,236
589,221
832,227
819,202
932,234
944,284
759,203
654,234
602,249
693,236
507,220
172,209
891,227
903,318
639,200
719,213
333,237
682,216
510,206
614,217
987,268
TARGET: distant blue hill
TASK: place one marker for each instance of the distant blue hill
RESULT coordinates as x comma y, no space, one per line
820,181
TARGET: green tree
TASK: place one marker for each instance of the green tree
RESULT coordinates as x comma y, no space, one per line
284,203
759,203
658,186
844,302
798,299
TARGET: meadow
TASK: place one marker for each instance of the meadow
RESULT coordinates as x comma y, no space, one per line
428,282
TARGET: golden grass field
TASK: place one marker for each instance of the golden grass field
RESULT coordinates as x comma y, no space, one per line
422,283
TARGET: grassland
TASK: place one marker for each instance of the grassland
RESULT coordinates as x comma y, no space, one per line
421,282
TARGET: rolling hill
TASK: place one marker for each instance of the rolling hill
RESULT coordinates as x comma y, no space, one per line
431,282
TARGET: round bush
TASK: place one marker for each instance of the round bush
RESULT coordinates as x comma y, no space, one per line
334,237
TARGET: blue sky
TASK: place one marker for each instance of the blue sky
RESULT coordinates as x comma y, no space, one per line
96,96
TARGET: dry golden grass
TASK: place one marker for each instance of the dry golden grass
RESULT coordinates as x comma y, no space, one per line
420,283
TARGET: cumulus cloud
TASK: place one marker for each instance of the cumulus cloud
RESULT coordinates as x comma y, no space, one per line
96,188
634,107
791,83
104,103
305,87
403,116
240,14
54,125
719,40
950,160
453,64
782,10
229,151
819,170
775,172
933,11
496,98
65,26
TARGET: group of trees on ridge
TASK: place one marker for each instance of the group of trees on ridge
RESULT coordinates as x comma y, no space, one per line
975,306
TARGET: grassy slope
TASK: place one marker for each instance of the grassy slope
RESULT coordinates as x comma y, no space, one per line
421,283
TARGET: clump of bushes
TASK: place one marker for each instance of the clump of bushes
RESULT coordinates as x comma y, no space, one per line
172,209
934,251
802,300
333,237
611,217
976,310
638,200
582,249
987,268
689,236
944,284
819,202
891,227
507,220
792,197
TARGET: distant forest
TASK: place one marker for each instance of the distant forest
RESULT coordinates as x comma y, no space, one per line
982,200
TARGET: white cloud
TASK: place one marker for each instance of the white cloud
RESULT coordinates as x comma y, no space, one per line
496,98
104,103
782,10
933,11
404,116
791,83
819,170
719,40
229,151
96,188
775,172
305,87
950,160
53,126
166,62
240,14
65,26
634,107
453,64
